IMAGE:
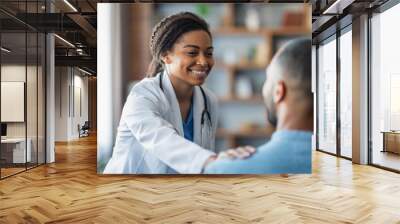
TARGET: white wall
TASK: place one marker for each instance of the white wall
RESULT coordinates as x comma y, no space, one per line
33,126
71,87
79,117
61,103
12,73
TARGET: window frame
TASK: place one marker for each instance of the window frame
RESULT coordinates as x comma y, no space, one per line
333,37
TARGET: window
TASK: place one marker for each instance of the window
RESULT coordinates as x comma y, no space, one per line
22,108
327,96
385,89
346,94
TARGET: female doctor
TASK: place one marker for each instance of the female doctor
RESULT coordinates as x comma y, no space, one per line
169,121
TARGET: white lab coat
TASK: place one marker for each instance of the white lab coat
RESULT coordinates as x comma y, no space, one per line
150,136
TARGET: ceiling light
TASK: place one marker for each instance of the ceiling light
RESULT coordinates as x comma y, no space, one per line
84,71
5,50
79,51
337,7
64,40
70,5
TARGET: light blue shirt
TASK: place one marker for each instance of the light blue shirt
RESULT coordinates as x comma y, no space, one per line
286,152
188,125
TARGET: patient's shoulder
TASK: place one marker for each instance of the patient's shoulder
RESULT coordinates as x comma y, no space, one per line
249,165
269,158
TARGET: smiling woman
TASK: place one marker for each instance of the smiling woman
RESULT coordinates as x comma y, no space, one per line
191,58
188,63
168,123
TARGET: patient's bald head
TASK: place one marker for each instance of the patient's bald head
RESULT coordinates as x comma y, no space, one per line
293,63
289,78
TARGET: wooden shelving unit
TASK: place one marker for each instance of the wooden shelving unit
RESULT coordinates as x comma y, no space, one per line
232,70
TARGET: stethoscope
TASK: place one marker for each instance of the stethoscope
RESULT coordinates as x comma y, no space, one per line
204,114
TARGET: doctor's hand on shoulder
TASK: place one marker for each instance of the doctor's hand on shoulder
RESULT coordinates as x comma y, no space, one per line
241,152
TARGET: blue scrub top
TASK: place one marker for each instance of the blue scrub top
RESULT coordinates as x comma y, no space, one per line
288,151
188,125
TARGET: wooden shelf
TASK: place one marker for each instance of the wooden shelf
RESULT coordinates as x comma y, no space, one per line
241,66
256,133
263,31
239,31
233,99
290,31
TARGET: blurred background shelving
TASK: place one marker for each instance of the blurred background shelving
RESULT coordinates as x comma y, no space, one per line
245,37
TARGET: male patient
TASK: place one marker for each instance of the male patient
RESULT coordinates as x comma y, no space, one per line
289,102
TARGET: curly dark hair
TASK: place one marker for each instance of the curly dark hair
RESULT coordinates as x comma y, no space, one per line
167,32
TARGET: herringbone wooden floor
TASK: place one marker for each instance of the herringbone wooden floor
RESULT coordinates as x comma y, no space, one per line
70,191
